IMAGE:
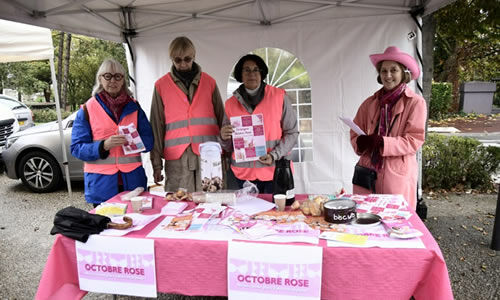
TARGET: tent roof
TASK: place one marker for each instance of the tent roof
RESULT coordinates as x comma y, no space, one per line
21,42
112,18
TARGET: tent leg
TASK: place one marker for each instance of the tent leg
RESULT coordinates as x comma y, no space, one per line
495,241
59,121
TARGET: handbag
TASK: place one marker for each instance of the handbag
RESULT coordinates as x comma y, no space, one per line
364,177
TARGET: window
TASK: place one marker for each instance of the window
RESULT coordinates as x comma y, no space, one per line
288,73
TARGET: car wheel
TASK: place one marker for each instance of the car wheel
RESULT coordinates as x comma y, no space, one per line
40,172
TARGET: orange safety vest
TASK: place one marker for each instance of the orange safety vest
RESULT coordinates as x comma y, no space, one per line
271,107
187,123
103,127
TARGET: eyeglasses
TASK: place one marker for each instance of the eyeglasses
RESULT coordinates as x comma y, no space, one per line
116,76
186,59
250,71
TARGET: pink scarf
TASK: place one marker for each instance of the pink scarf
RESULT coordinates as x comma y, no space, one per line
117,104
387,101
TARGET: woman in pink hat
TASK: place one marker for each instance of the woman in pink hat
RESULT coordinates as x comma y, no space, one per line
394,122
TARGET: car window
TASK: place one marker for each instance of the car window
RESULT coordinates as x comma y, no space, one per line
12,104
69,120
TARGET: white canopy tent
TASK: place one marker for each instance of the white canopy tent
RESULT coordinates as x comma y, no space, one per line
21,42
331,38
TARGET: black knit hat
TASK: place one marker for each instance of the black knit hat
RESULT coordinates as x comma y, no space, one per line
238,69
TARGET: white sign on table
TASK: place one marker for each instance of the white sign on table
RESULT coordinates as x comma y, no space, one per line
271,271
123,266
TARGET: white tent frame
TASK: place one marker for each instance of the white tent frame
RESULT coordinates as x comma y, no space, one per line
21,42
144,23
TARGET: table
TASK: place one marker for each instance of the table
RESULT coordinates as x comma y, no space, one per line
348,273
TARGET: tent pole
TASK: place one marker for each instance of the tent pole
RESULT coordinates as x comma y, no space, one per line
421,206
59,122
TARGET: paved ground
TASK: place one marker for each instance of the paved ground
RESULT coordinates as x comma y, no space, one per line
482,124
485,129
461,224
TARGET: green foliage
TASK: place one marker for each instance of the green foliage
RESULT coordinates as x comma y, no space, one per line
440,103
458,162
87,55
48,115
467,41
26,77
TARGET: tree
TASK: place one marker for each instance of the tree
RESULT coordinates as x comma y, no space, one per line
59,59
467,43
88,54
77,78
26,77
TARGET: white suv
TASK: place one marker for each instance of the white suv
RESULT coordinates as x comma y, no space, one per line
23,114
8,125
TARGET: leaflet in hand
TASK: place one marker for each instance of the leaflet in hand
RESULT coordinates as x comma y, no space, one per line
349,122
249,140
134,142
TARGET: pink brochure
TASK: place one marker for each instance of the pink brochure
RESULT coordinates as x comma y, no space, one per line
249,141
134,142
400,228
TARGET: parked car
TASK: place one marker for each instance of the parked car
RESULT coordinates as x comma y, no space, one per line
8,125
23,114
35,156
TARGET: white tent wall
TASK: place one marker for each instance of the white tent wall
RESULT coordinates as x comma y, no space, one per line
335,54
331,38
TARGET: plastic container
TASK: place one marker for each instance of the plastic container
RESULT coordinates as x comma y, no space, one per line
211,166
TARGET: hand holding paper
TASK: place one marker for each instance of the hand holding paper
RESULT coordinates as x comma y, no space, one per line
349,122
133,143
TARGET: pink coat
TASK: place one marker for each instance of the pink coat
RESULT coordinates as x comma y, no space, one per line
399,172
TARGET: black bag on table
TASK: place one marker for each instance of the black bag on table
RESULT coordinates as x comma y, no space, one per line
364,177
78,224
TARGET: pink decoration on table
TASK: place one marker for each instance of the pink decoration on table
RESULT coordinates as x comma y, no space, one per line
348,273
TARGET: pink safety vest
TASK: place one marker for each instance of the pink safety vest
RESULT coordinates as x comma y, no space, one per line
271,107
187,123
103,127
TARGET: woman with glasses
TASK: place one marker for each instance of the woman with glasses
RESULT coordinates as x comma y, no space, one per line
394,122
186,111
255,97
97,139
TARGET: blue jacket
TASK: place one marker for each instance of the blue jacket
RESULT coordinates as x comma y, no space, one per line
99,187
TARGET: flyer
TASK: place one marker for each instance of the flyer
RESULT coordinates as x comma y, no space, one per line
249,140
134,142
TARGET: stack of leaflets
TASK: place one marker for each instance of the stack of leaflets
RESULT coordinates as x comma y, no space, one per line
111,209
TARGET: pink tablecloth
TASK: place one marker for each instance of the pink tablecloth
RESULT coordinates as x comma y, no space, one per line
194,267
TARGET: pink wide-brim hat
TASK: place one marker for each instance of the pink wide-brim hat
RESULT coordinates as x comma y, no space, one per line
393,53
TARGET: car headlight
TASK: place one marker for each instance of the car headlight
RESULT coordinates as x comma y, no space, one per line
10,141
